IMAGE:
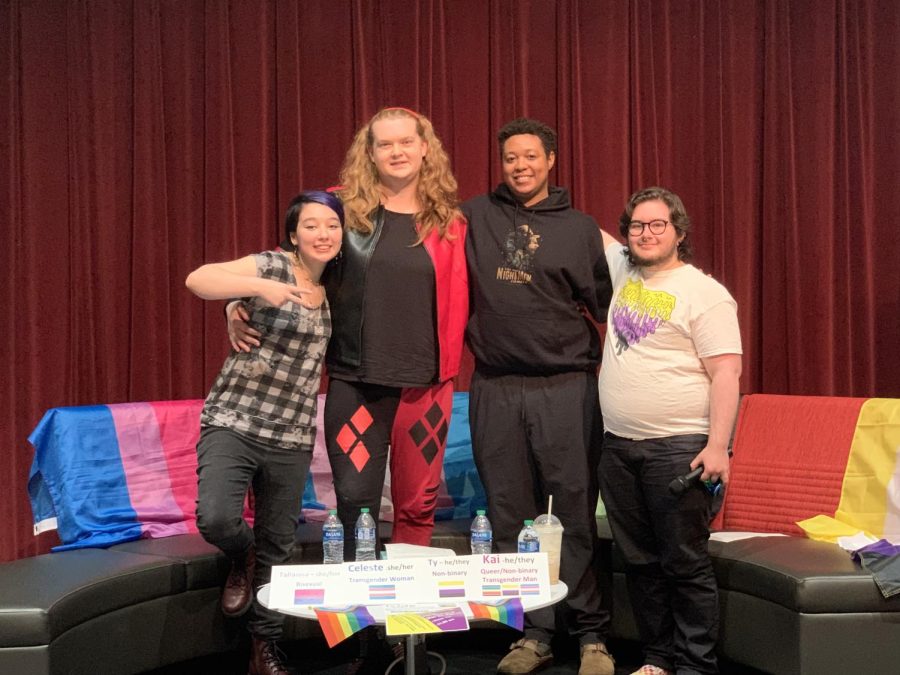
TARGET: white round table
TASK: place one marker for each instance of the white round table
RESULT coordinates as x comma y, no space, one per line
557,592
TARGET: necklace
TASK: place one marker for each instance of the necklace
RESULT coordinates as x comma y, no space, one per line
301,269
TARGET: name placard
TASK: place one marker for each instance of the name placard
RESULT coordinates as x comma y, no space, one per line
482,578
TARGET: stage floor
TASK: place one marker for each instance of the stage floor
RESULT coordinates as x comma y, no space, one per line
473,652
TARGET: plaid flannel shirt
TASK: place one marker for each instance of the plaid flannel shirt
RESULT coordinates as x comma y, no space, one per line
270,393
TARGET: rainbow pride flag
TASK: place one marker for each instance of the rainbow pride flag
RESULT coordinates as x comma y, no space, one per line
508,612
870,492
338,625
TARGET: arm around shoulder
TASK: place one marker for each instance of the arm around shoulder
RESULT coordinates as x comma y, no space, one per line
608,239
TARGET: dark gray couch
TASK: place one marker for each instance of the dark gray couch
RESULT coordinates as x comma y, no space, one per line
126,609
136,606
789,606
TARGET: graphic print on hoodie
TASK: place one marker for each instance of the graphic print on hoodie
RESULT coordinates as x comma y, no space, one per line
521,245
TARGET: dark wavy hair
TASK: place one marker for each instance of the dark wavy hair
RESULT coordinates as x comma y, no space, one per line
296,206
678,217
525,125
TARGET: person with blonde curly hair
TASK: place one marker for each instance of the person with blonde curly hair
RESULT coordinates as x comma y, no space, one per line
364,187
399,306
400,302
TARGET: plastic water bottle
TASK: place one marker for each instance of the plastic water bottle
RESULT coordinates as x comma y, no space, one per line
365,536
332,539
480,534
529,542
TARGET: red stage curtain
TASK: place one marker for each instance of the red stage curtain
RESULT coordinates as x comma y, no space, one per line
140,139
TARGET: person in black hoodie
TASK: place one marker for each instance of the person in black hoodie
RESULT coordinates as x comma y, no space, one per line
536,272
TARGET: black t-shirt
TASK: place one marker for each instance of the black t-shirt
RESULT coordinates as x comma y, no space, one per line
399,343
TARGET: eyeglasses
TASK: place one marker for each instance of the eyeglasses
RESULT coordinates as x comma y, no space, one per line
636,227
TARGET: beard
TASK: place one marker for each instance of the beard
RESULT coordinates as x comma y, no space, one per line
644,260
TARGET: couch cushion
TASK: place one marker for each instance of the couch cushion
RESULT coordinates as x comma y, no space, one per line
205,565
44,596
805,576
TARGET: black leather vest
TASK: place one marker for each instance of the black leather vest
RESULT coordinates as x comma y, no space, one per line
345,283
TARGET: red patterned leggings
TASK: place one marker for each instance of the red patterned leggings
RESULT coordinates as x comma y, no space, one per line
366,424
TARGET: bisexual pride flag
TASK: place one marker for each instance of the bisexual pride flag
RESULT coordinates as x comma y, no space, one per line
309,596
106,474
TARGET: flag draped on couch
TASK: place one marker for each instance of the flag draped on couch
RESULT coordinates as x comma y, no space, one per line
870,491
107,474
110,473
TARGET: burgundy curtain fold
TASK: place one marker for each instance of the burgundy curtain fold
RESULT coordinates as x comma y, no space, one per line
140,139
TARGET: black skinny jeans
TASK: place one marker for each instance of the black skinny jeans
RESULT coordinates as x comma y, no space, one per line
228,464
663,539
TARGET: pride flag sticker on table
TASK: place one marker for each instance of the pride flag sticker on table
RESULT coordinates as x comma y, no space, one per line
339,624
454,588
508,612
382,592
309,596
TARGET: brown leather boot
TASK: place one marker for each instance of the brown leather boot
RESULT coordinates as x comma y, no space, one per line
265,659
237,596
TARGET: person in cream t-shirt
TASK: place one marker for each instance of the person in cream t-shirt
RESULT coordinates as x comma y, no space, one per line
669,393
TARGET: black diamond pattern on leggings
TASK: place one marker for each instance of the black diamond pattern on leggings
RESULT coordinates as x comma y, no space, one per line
442,432
418,433
434,415
430,450
431,428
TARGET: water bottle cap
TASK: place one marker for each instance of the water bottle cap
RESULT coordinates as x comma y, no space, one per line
480,512
364,509
529,522
332,512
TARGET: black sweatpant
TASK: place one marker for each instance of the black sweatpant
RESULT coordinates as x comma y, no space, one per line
663,539
532,437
